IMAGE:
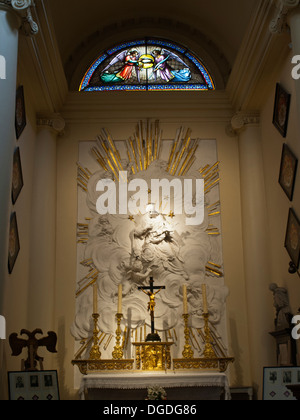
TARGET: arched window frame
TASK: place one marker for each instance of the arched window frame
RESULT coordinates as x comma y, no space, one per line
189,58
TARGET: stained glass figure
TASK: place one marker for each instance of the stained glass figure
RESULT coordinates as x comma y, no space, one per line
147,64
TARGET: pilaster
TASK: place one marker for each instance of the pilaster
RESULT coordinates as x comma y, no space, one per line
241,120
284,8
54,122
43,240
23,10
255,237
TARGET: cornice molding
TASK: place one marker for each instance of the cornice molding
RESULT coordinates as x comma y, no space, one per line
212,106
261,54
23,10
284,7
40,64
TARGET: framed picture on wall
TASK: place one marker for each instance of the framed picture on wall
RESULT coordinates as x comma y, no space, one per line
20,115
277,381
288,170
38,386
281,110
292,239
14,243
17,176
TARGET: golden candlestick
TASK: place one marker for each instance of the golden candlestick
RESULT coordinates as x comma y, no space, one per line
95,353
187,352
209,352
117,353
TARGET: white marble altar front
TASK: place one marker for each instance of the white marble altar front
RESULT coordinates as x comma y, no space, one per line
133,386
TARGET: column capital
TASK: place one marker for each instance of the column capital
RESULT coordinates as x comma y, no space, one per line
53,122
243,119
284,7
22,9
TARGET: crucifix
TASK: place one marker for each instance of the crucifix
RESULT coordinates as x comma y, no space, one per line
151,305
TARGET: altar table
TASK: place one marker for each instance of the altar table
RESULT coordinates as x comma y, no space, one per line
133,386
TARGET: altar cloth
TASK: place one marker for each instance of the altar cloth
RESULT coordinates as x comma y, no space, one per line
206,385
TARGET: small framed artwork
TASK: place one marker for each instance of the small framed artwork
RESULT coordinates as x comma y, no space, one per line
276,383
14,243
17,176
20,116
288,170
292,239
281,110
38,385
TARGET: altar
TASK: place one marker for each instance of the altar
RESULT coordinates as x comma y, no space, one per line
200,386
150,288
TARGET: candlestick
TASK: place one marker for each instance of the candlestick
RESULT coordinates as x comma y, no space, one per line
185,301
117,353
95,298
187,352
209,352
120,299
205,308
95,353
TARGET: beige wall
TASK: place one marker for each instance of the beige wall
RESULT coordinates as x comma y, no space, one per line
208,115
277,202
17,285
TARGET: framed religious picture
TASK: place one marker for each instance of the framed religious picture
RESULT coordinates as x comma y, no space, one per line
288,170
281,110
37,385
17,176
14,243
292,239
276,383
20,114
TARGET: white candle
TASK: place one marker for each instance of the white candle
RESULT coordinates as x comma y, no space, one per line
205,308
95,298
185,301
120,299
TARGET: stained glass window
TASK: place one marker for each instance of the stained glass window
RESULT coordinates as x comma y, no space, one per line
148,64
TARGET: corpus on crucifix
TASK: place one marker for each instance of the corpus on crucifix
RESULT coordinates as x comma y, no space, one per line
149,291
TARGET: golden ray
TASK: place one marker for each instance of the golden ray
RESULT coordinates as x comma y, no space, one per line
189,165
216,213
214,269
174,148
83,176
82,233
210,186
189,158
206,172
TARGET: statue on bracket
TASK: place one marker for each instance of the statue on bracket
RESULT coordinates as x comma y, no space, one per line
282,306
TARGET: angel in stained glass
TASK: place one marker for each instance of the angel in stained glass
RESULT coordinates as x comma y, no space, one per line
130,61
163,70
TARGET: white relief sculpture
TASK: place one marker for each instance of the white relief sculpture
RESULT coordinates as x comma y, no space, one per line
127,251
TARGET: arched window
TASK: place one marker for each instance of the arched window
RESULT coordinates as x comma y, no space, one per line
148,64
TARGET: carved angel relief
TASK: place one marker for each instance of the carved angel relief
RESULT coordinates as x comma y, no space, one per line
128,249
